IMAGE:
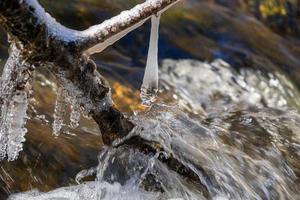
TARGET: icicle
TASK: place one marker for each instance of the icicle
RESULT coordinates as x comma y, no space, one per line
16,130
12,127
59,111
14,103
103,45
75,113
150,82
4,123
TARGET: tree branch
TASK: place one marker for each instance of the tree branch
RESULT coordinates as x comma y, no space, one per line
63,51
98,37
29,22
38,40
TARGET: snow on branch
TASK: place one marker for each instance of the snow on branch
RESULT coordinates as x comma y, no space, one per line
36,23
98,37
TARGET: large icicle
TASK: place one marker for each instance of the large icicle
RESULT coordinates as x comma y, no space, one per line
59,110
150,82
14,91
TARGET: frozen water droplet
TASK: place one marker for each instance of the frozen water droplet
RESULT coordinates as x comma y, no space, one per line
59,111
150,82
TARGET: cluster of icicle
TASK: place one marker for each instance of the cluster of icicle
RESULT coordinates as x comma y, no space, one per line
14,103
60,111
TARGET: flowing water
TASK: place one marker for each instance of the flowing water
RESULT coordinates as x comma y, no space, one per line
237,131
227,108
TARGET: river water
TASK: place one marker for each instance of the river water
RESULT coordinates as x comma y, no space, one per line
227,110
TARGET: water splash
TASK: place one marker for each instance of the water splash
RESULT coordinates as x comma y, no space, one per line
59,111
90,191
224,169
219,85
150,82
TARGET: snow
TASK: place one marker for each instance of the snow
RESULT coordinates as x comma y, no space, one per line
55,29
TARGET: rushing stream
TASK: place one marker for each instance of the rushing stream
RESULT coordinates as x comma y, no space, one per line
237,131
227,108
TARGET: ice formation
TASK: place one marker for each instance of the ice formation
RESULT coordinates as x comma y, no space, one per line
14,103
150,81
106,43
17,120
59,111
75,113
61,105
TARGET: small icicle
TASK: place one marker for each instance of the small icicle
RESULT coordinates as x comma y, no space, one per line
12,130
16,130
13,104
4,125
150,82
6,90
59,111
75,113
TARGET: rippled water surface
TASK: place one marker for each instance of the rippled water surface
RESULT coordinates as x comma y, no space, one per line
227,112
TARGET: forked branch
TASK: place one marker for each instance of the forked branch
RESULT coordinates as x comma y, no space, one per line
28,21
45,42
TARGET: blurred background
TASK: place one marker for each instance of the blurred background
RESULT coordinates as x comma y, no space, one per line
261,35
